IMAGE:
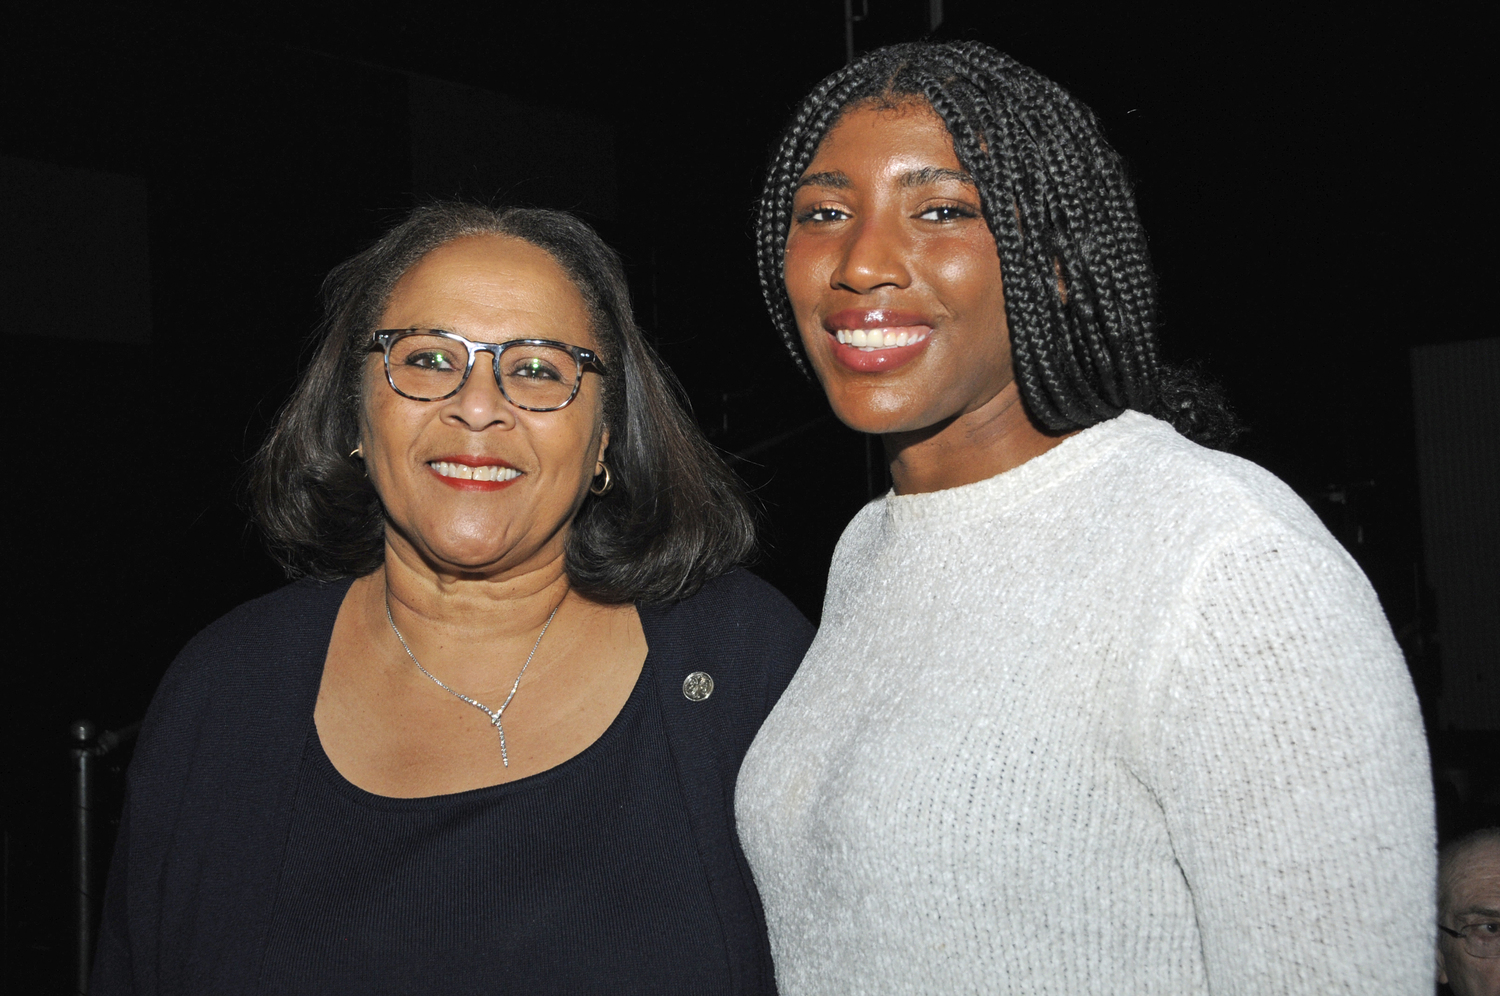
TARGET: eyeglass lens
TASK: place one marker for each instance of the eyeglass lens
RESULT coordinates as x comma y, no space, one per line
1482,940
425,367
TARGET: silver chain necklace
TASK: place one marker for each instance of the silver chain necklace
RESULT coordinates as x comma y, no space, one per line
493,714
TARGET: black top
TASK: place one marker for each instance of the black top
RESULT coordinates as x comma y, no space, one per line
246,863
581,879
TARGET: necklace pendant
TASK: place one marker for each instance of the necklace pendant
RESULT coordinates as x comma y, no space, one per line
493,714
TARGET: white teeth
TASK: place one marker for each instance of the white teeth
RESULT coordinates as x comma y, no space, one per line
868,339
464,472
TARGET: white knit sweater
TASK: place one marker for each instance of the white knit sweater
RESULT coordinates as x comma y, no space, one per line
1125,719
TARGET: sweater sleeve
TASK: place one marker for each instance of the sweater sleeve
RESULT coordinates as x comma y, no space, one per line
1292,769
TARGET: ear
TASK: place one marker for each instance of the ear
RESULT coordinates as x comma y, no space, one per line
603,446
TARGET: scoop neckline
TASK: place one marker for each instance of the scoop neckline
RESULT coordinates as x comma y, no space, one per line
601,748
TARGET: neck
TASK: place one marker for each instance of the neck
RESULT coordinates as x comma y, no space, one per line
994,438
474,629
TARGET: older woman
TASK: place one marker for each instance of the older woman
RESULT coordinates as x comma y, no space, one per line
1093,709
489,742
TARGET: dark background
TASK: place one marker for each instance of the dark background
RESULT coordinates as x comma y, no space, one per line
1311,182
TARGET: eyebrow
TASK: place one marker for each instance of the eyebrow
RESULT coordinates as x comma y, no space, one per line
835,180
935,174
1477,911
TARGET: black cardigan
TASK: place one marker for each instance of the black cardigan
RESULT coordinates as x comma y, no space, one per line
210,791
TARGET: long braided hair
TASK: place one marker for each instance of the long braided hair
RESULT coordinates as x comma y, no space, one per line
1080,295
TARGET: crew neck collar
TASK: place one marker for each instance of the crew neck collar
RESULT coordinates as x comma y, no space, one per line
953,506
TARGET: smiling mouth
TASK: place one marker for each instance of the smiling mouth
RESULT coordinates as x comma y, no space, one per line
464,472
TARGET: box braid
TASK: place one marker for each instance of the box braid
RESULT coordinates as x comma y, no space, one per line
1080,295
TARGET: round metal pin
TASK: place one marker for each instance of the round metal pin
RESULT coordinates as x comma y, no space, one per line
697,686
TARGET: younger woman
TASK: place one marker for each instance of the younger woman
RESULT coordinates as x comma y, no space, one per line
1093,709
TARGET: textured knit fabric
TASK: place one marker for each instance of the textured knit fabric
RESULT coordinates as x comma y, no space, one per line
196,879
1123,720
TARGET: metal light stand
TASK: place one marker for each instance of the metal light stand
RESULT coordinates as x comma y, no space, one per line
89,746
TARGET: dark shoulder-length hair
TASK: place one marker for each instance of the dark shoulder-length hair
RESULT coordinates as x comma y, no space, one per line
1080,294
676,515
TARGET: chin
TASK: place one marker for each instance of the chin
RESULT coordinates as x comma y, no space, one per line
876,413
465,553
463,562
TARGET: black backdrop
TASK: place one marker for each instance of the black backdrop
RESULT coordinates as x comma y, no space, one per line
1310,181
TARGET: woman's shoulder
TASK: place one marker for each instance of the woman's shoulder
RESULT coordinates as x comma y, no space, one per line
736,628
272,620
258,643
238,698
1159,473
734,608
1239,544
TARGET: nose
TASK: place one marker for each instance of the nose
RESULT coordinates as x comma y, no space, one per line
874,256
480,403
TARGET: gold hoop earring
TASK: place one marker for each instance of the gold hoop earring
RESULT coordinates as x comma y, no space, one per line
358,452
602,489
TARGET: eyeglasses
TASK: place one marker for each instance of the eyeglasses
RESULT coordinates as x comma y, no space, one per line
539,375
1480,940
